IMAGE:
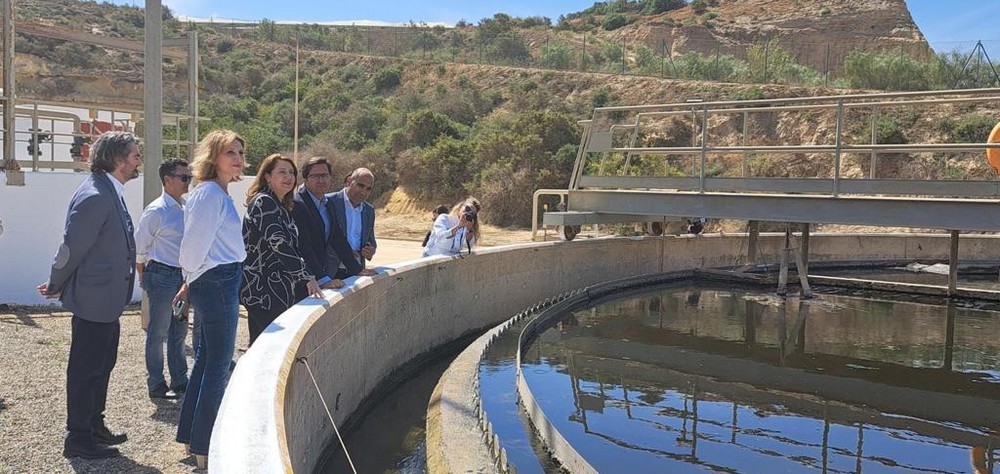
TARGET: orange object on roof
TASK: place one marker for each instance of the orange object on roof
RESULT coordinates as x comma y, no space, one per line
97,127
993,154
94,128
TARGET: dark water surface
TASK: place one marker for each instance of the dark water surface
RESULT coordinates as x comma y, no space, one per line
711,379
392,437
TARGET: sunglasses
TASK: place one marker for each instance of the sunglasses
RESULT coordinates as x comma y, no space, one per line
185,178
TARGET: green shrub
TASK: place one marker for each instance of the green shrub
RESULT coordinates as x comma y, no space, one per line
973,129
387,78
614,21
601,97
890,132
556,55
653,7
225,45
752,93
887,71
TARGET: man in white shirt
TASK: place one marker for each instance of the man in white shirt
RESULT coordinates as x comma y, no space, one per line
158,241
355,217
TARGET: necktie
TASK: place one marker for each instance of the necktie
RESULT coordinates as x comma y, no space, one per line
128,218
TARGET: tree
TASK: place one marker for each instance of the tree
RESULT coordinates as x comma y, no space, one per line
653,7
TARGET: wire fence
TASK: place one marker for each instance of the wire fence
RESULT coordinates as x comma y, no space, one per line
864,63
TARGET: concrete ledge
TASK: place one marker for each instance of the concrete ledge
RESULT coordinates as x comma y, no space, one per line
272,418
455,440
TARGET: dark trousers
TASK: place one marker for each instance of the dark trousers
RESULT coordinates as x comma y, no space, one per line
258,320
93,353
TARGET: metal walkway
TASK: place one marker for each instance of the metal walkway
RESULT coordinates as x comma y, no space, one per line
631,166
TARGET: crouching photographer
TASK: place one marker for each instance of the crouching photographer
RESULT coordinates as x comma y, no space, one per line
455,232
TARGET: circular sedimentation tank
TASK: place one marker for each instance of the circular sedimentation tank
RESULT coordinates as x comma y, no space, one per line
330,365
668,373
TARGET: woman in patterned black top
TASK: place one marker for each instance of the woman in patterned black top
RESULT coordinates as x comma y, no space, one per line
273,266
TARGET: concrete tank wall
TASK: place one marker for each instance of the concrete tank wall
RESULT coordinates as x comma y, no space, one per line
272,418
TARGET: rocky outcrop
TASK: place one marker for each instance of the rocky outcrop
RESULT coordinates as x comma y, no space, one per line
818,33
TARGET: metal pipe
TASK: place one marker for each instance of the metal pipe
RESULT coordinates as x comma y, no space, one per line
785,108
33,139
953,264
838,147
874,162
704,146
810,99
746,153
894,148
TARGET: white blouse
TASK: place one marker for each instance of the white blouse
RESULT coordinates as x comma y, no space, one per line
441,242
213,231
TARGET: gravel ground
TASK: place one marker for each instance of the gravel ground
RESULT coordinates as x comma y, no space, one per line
34,347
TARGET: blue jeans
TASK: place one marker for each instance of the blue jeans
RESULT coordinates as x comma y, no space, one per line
216,297
161,284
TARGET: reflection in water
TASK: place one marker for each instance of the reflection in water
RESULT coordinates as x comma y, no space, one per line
392,437
738,381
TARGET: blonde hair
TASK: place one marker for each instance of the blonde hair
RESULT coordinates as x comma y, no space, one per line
471,202
215,142
259,184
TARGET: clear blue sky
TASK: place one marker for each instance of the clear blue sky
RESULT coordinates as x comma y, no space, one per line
945,23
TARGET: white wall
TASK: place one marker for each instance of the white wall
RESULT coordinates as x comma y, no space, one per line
33,218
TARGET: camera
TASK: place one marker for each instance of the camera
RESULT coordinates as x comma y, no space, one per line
469,215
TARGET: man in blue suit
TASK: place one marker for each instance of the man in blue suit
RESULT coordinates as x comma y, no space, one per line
93,276
355,218
318,232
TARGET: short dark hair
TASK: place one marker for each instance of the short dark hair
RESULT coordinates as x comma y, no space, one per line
313,162
168,167
441,209
110,149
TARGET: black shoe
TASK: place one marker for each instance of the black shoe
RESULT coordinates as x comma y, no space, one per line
164,393
88,449
179,390
103,435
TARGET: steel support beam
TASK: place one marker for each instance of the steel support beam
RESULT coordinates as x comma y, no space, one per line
152,99
192,91
964,214
8,80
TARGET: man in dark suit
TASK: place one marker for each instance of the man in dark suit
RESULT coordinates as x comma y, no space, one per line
93,276
317,228
355,218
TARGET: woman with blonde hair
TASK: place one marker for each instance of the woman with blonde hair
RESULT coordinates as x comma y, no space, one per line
273,266
211,258
457,231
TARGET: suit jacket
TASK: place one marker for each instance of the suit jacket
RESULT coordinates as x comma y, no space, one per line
313,244
94,268
335,203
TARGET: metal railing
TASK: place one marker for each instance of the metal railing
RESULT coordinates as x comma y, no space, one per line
53,130
617,140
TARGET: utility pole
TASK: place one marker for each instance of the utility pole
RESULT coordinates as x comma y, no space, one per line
295,126
152,99
9,98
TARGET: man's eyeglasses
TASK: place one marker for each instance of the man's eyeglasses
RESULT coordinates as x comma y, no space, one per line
185,178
